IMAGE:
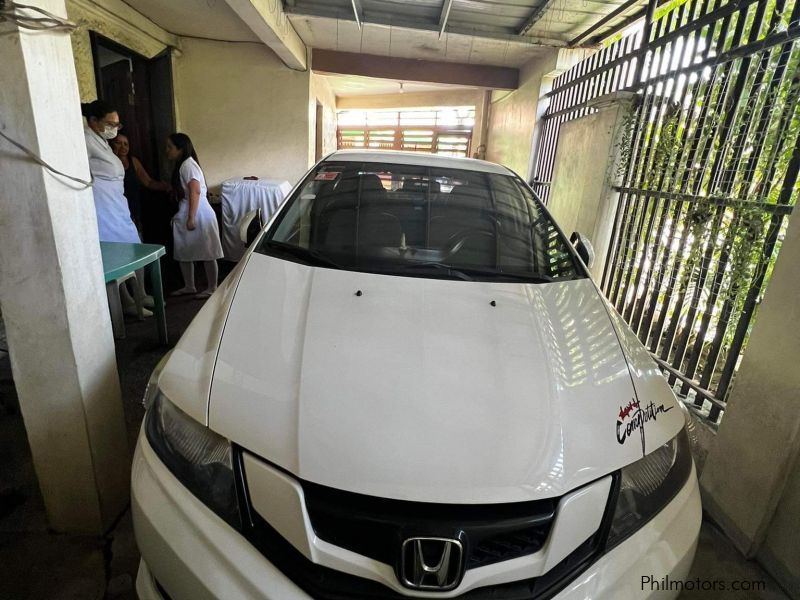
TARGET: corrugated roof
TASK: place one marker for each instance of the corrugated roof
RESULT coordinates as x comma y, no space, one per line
513,22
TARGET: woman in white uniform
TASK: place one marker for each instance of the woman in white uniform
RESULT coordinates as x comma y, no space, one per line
113,215
194,227
114,222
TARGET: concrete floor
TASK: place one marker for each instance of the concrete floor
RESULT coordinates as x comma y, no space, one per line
38,564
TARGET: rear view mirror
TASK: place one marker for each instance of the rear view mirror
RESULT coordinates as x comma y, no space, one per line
583,247
250,226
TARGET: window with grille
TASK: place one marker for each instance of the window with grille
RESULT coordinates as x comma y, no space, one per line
446,131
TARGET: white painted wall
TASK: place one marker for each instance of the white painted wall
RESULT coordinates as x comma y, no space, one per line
246,112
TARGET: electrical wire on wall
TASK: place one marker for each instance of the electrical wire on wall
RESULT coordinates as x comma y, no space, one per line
256,42
33,18
35,158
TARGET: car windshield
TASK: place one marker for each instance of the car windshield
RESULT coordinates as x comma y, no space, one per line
421,222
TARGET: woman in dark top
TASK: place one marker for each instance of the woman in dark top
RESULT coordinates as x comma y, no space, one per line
135,177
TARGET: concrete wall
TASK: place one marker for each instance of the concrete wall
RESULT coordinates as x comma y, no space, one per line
321,92
460,97
246,112
581,196
512,117
751,480
780,554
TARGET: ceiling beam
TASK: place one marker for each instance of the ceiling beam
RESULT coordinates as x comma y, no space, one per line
274,29
358,12
448,4
536,15
409,22
409,69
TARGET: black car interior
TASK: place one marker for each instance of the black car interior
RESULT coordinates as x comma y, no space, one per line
413,214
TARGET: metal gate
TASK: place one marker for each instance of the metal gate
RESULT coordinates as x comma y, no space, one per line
710,171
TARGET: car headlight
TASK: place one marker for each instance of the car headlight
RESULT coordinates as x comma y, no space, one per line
151,391
199,458
648,485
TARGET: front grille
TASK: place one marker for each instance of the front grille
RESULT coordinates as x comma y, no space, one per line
323,583
376,527
506,546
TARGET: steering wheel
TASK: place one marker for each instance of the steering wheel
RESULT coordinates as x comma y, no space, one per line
456,241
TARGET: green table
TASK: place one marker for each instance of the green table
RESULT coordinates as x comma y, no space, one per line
120,260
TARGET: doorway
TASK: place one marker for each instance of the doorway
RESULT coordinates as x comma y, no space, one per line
141,91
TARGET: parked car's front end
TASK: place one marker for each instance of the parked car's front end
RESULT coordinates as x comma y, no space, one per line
411,388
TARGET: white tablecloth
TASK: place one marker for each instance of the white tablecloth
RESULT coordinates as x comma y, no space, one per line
240,196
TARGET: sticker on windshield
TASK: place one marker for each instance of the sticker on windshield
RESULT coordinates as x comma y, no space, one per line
633,417
327,176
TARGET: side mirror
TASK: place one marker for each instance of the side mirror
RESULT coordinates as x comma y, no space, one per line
250,226
583,247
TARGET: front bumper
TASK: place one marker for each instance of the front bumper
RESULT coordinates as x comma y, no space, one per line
193,553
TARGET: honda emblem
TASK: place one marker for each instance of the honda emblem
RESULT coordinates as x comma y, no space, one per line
428,563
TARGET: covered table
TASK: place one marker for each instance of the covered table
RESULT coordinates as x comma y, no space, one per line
239,196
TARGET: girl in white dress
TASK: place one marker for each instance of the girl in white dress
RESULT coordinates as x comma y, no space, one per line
194,226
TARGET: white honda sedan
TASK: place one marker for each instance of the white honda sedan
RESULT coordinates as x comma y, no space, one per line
411,387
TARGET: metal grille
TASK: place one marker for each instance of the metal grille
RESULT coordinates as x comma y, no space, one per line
710,177
709,171
446,131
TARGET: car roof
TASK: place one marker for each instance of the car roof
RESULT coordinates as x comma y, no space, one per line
421,159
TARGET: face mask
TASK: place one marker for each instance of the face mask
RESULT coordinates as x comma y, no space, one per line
109,133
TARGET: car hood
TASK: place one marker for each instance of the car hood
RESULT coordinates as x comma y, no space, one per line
429,390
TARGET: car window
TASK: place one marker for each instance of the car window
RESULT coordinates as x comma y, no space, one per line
420,221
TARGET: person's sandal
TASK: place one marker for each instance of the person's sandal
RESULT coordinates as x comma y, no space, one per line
149,302
204,294
184,292
132,311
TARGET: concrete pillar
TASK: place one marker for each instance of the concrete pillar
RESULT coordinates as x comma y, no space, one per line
52,291
480,133
750,462
582,197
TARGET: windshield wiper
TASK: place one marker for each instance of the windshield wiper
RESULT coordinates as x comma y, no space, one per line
305,255
471,273
437,265
521,276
